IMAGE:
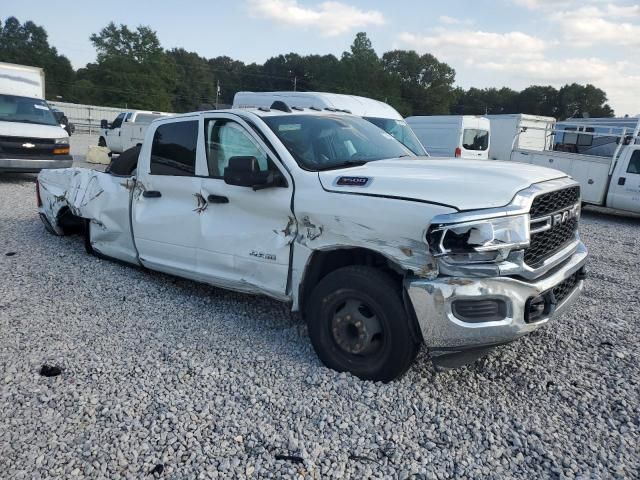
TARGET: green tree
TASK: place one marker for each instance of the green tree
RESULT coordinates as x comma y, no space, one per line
426,84
195,82
578,100
131,69
28,44
485,101
538,100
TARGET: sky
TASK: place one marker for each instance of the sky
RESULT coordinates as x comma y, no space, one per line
513,43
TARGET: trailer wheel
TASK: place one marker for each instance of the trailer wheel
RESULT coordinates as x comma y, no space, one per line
358,324
102,142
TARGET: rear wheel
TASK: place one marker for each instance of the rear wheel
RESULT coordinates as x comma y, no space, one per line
358,323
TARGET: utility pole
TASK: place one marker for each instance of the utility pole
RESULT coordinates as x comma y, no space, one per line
217,92
295,83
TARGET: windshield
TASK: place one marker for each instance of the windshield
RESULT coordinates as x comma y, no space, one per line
333,141
474,139
401,132
25,110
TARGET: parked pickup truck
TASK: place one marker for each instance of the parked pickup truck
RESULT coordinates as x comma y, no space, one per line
127,130
609,181
380,250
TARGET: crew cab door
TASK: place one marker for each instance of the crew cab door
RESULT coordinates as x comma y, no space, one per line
246,233
112,134
164,214
624,190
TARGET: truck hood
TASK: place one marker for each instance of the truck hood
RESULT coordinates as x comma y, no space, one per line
462,184
13,129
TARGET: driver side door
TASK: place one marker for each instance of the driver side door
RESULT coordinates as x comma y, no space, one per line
246,233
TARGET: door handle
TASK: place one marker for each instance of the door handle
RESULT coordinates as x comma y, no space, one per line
151,194
621,180
217,199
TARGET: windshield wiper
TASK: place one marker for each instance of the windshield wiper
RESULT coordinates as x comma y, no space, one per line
345,164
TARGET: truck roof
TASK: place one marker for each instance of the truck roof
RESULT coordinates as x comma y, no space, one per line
360,106
261,112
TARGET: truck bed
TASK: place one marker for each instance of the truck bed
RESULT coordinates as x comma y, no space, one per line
591,171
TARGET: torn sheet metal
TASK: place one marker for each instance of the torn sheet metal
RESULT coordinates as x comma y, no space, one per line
96,196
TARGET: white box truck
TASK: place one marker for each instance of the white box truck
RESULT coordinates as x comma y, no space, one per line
519,130
31,139
379,113
460,136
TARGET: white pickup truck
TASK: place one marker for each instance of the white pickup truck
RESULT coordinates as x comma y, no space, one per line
127,130
380,250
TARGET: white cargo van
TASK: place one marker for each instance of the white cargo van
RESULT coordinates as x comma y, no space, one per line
461,136
30,136
378,113
519,130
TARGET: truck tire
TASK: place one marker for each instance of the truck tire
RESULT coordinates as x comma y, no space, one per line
358,324
102,142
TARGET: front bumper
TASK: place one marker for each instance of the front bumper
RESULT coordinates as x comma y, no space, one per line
432,302
35,164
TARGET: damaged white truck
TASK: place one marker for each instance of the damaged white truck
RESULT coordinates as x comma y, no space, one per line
380,250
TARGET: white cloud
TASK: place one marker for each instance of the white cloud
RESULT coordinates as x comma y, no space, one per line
588,31
446,20
617,79
476,44
330,18
590,25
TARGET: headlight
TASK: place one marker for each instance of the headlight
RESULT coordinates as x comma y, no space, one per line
62,141
479,241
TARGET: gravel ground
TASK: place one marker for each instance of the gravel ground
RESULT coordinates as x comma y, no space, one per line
199,382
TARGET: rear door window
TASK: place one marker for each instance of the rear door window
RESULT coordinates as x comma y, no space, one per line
173,151
475,139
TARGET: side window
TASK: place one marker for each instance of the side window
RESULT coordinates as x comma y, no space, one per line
117,123
634,163
173,151
225,139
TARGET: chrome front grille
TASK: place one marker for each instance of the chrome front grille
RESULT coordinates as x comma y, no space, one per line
554,223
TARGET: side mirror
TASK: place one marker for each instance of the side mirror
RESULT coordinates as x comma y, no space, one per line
104,123
245,172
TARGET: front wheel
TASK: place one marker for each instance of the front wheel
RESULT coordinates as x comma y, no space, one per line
358,324
102,142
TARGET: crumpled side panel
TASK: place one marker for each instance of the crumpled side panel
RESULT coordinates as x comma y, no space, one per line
102,198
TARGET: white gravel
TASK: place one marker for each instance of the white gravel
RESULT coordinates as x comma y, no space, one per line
208,383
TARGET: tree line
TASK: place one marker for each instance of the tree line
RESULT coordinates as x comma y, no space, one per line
132,69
